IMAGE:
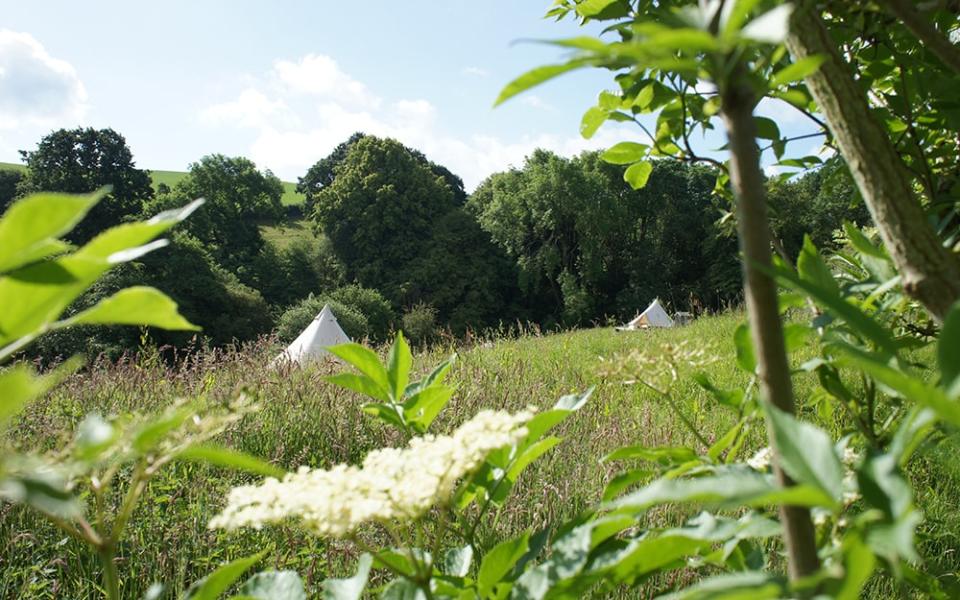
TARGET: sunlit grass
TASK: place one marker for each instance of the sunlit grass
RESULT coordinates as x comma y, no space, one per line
306,421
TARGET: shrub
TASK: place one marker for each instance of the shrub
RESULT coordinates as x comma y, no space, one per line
371,304
296,318
420,322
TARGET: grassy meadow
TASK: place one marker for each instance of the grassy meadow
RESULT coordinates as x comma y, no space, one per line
290,195
306,421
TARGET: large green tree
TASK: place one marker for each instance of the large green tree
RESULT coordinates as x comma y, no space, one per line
238,198
587,245
83,160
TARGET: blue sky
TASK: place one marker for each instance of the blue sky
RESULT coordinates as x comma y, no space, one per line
284,82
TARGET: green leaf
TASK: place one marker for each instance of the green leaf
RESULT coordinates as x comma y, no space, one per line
811,267
93,436
216,583
133,306
18,386
274,585
807,453
499,561
424,407
797,71
535,77
638,174
402,589
771,27
665,455
360,384
625,153
30,227
603,9
45,491
230,459
730,398
907,386
858,565
398,366
826,296
749,585
766,128
644,555
365,361
154,431
129,241
592,120
352,587
456,561
734,486
35,295
948,352
744,345
504,485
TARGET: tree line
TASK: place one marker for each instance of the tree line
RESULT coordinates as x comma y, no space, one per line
400,244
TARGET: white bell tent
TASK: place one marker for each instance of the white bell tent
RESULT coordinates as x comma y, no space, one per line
323,332
654,316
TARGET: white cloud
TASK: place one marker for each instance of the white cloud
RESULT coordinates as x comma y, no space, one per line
475,71
297,121
537,102
319,75
36,88
251,109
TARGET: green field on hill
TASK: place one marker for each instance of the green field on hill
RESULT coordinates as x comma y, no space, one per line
290,195
307,421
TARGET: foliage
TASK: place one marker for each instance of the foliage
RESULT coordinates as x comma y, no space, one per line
296,318
301,267
9,181
79,487
588,245
441,257
430,505
84,160
237,196
420,322
362,313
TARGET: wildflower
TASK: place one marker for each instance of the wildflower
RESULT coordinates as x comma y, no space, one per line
391,484
761,460
659,369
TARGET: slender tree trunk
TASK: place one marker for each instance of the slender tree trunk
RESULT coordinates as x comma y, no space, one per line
762,306
920,26
930,272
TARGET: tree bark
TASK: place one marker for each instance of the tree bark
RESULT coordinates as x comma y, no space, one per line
763,312
930,272
920,26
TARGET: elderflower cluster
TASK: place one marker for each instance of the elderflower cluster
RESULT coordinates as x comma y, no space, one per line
660,368
392,483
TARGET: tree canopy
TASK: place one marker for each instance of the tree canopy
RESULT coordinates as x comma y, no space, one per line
84,160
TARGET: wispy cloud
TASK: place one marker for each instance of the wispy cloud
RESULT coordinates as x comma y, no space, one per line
300,110
36,88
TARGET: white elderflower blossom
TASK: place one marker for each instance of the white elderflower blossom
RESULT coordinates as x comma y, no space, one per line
392,483
761,460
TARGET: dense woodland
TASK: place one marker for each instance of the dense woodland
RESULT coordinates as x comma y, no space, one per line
398,243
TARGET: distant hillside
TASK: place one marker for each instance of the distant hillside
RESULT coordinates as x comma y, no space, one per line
290,195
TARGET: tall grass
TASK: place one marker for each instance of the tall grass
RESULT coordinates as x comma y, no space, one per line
306,421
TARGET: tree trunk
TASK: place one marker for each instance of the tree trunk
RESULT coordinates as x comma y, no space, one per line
763,312
930,272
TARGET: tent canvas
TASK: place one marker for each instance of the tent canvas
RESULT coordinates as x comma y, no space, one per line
323,332
653,316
